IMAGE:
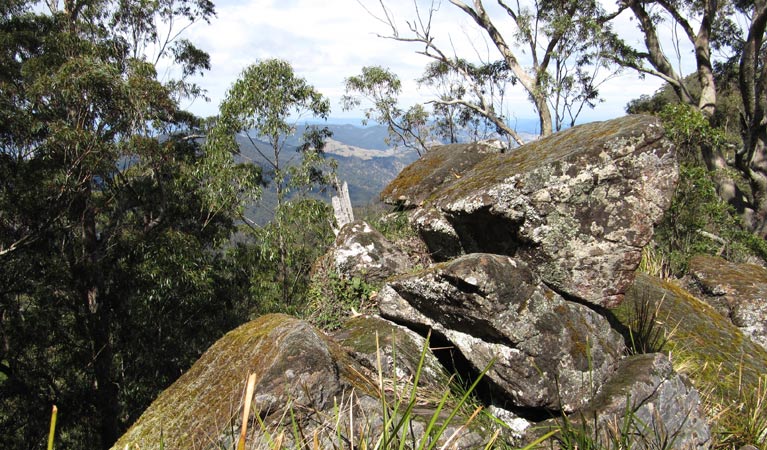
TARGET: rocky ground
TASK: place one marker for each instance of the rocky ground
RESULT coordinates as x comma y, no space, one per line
528,278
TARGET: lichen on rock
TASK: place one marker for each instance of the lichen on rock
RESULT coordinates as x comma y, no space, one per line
740,290
577,206
547,350
362,251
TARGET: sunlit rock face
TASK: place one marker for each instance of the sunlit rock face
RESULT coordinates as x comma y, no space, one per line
577,206
362,251
533,247
546,352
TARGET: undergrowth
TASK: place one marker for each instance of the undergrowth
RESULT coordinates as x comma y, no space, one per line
737,418
394,225
698,221
333,298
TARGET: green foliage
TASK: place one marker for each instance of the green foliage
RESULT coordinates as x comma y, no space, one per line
394,225
332,299
110,234
257,276
263,99
698,221
261,105
449,80
690,129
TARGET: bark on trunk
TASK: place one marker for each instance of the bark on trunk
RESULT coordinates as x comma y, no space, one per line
752,159
99,327
757,177
707,100
544,116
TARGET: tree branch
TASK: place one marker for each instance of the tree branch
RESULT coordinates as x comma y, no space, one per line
492,117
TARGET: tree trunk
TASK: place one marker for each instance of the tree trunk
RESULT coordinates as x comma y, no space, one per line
544,115
106,392
751,160
99,327
531,84
707,100
756,145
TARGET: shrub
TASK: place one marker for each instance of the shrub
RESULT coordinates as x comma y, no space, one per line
698,221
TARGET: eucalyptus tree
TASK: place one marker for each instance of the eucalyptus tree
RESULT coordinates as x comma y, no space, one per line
555,52
265,104
736,31
379,89
109,232
452,122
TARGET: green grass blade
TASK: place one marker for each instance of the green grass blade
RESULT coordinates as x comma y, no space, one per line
540,440
458,406
52,432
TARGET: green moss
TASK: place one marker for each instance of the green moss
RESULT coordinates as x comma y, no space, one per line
713,352
414,174
553,150
206,399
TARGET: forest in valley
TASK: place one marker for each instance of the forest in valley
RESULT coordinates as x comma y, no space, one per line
126,241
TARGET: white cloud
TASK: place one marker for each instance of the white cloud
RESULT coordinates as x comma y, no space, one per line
327,41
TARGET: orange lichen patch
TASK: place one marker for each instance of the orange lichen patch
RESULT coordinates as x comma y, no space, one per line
441,165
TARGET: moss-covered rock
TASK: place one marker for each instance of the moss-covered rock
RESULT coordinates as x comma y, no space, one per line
310,391
577,206
737,290
441,165
719,359
295,366
371,340
653,402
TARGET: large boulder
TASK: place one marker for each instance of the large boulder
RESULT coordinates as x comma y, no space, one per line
306,382
294,365
577,206
718,358
738,290
549,353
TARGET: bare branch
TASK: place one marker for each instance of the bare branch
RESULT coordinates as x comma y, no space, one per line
16,245
491,116
678,18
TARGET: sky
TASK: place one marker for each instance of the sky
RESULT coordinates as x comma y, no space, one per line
327,41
